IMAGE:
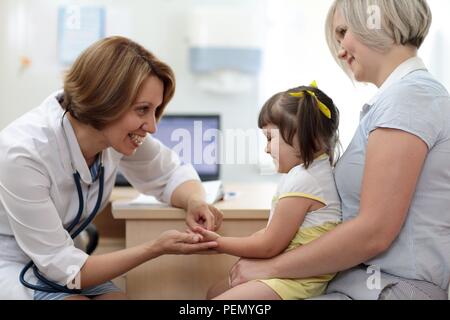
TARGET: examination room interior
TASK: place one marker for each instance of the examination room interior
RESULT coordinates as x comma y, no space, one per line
285,38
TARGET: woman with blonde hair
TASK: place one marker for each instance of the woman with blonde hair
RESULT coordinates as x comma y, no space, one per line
58,165
394,177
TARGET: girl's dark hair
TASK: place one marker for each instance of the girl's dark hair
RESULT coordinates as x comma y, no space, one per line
301,116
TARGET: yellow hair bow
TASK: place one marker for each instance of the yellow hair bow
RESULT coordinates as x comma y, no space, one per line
323,108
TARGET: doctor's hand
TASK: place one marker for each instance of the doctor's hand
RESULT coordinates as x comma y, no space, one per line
175,242
201,214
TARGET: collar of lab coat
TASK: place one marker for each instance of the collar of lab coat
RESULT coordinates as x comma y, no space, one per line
70,146
77,158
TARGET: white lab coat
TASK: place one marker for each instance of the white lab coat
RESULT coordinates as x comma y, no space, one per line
38,196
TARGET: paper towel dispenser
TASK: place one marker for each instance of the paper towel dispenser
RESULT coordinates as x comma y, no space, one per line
225,47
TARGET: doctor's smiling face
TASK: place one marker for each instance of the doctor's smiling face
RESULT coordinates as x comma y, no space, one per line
127,133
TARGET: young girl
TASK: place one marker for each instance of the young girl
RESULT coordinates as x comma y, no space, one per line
301,126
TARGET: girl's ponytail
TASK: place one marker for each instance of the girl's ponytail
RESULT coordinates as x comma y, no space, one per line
317,123
310,125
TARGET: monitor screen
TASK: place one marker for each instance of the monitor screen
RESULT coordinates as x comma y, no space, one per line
194,139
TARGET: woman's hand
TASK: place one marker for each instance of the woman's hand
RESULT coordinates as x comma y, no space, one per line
245,270
175,242
191,197
202,214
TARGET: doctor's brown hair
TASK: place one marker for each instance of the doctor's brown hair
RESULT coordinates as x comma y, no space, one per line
302,117
105,80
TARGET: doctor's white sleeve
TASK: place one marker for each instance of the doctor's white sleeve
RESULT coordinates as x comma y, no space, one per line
156,170
35,222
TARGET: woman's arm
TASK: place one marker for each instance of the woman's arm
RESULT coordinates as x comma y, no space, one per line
189,190
289,215
394,161
191,197
105,267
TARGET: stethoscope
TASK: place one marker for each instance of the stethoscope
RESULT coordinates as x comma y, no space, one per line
52,286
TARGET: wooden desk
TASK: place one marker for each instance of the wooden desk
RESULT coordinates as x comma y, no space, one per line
189,277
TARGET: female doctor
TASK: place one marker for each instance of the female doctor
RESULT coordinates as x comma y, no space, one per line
58,164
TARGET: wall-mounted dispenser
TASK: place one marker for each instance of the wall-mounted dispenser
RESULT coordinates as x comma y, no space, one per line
225,48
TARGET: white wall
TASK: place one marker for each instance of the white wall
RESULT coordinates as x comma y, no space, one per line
26,31
436,49
29,27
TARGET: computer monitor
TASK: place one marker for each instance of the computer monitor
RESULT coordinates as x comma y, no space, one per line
192,138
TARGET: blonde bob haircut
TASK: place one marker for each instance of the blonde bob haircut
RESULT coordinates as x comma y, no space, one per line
105,80
402,22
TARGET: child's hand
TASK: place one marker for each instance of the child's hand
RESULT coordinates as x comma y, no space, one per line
206,234
175,242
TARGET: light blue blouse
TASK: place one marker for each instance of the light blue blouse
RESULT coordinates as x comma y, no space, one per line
413,101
